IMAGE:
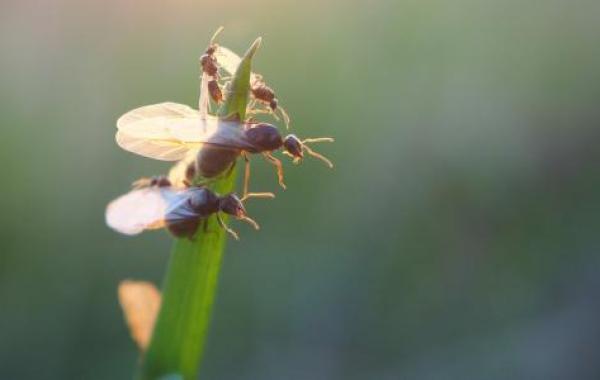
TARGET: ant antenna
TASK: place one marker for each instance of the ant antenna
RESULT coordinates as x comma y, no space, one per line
250,221
219,30
227,229
315,154
284,116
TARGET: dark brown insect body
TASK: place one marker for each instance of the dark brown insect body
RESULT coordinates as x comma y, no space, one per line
154,203
214,91
183,221
210,67
208,61
265,94
213,159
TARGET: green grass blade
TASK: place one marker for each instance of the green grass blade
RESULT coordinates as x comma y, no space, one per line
190,284
237,95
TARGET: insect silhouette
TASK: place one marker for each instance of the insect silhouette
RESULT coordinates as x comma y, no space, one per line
179,210
208,146
210,71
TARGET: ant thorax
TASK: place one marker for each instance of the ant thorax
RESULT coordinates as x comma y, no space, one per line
264,137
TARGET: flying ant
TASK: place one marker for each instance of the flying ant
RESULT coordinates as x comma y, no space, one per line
210,69
265,94
210,146
159,205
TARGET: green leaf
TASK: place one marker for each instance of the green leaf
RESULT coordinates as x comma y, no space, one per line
237,94
190,284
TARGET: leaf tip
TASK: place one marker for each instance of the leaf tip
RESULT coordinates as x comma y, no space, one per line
253,48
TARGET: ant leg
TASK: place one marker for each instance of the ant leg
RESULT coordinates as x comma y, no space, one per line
279,167
246,176
258,195
263,111
227,229
272,113
246,195
284,116
251,105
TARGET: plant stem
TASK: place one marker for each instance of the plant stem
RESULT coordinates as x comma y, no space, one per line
188,293
190,284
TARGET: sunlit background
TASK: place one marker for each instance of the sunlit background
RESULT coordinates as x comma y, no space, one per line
457,237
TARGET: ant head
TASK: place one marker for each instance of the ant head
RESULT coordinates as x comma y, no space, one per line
273,104
293,146
265,137
211,49
232,205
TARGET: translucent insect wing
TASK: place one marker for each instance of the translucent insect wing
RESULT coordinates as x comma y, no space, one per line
148,130
157,132
142,209
229,61
168,110
163,150
204,102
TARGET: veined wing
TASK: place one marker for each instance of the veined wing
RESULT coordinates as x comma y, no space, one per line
168,131
203,101
139,130
166,110
163,150
143,209
229,61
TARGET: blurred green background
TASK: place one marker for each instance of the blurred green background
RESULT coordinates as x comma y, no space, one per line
457,237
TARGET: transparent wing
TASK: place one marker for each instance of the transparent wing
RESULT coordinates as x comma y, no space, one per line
203,102
140,301
168,132
163,150
178,173
229,61
143,209
167,110
142,130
